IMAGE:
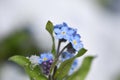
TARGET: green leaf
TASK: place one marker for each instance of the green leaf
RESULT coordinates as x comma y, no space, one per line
53,46
64,69
82,72
22,61
49,28
81,52
34,73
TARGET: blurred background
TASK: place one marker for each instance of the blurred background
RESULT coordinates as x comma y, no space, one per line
22,32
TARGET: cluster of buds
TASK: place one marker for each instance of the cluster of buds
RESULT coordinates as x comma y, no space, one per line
46,65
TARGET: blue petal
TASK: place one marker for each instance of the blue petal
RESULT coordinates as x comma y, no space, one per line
42,55
64,29
40,61
59,36
64,24
57,30
77,37
72,31
73,67
46,55
66,55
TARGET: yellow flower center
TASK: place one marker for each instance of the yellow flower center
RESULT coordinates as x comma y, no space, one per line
63,33
44,59
74,42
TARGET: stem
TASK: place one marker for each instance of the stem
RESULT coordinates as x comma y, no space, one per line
54,72
56,59
63,50
55,67
31,78
49,78
58,48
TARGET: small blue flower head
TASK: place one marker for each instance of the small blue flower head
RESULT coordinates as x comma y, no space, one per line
73,67
45,57
66,55
76,43
62,31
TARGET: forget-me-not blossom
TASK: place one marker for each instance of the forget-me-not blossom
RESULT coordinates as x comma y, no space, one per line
76,43
45,57
62,31
66,55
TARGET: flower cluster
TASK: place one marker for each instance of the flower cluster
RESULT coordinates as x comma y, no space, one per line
46,65
45,60
63,31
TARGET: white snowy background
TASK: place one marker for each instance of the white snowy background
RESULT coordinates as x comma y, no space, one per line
100,30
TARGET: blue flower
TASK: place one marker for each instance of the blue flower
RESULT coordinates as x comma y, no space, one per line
66,55
62,31
76,43
73,67
45,57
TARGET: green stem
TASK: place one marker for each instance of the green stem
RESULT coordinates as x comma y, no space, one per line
31,78
54,73
58,49
49,77
62,50
57,58
59,43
